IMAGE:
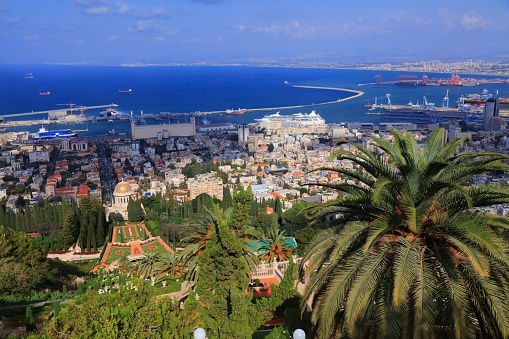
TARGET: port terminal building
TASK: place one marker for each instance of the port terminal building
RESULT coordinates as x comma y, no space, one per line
163,131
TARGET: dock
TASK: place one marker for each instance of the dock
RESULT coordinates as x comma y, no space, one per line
80,108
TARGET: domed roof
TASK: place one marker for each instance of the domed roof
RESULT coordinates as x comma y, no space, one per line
123,187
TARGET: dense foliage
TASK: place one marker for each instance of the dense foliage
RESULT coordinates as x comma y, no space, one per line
23,263
126,313
410,252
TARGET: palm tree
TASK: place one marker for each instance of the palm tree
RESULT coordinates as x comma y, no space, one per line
198,243
410,252
167,264
148,265
124,264
275,248
199,239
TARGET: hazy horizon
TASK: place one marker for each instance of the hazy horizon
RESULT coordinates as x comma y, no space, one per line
248,31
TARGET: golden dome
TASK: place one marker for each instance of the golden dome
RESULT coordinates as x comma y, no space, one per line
123,187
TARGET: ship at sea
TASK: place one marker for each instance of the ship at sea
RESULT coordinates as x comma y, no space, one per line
44,93
454,80
235,111
45,134
125,90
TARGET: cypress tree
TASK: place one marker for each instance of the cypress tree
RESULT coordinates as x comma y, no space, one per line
227,199
139,210
100,229
66,236
91,239
56,308
83,231
278,207
29,320
131,210
2,213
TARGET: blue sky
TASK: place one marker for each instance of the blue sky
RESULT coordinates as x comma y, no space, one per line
118,31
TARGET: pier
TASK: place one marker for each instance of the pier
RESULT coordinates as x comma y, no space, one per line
81,108
355,93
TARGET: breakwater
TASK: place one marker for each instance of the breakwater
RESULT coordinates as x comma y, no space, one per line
355,94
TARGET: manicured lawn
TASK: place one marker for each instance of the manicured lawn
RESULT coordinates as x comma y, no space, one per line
154,247
171,287
86,265
117,253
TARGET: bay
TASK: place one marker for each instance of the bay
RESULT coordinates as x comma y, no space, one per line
180,89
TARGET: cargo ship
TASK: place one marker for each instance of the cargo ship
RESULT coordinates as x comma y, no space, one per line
236,111
125,90
454,80
44,93
480,99
45,134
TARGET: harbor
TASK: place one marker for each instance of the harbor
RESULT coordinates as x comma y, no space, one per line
66,115
290,91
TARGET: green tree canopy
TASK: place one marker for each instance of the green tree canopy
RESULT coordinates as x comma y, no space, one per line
409,253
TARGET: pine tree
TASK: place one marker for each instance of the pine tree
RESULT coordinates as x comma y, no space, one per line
240,214
225,309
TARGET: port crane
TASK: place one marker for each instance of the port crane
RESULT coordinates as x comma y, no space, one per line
445,101
388,99
428,104
70,104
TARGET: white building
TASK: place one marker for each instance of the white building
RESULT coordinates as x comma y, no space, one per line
123,192
38,156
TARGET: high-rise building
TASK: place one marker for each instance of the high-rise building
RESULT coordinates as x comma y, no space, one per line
213,186
492,120
243,133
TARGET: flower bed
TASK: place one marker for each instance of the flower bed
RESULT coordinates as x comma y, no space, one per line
58,251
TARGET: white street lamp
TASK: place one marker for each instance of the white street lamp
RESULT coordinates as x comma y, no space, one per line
299,334
199,333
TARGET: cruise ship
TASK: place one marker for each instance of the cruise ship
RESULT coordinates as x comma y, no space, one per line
45,134
304,119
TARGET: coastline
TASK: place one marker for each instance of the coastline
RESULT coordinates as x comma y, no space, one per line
292,66
355,93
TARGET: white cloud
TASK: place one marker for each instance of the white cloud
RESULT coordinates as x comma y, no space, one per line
101,7
145,26
32,38
11,19
158,39
472,21
97,10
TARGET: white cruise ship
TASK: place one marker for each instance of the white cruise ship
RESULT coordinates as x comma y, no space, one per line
303,119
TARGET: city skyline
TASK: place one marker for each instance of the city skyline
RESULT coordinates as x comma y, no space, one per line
225,31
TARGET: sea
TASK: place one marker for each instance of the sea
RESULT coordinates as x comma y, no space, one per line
187,89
